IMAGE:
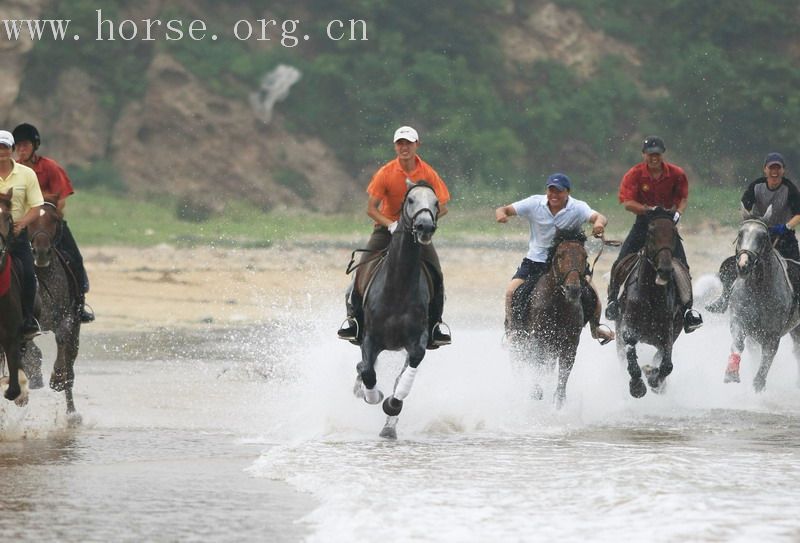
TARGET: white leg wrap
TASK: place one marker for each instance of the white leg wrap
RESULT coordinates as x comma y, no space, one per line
404,384
372,396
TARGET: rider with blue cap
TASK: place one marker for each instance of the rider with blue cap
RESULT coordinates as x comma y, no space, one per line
546,213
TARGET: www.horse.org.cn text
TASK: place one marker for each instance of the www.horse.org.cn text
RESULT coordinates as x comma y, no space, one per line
287,32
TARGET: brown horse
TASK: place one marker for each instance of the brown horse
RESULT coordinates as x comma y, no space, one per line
550,329
59,304
10,305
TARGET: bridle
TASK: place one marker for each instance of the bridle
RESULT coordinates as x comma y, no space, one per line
52,239
754,256
561,279
651,259
408,219
5,216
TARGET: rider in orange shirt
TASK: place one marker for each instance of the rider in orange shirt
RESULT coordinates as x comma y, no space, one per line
386,193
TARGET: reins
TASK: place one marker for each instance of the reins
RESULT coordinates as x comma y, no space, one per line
375,255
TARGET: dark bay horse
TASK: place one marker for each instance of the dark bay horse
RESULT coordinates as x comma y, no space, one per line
764,306
650,305
59,305
11,340
549,331
396,304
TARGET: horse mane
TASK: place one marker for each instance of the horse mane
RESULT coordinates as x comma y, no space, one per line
564,235
659,213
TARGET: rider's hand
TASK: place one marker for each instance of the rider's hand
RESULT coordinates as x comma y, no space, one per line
598,230
392,227
779,229
676,217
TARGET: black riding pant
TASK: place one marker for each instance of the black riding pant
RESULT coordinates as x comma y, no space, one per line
20,249
378,241
68,247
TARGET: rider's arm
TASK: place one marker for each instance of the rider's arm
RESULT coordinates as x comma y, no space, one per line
682,205
503,213
598,223
374,212
635,207
26,219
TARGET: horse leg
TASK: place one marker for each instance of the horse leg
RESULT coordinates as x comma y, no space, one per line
70,355
795,333
566,360
735,358
13,356
393,405
32,365
636,386
657,375
367,379
768,350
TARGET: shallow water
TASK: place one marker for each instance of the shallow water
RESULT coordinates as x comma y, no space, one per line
249,436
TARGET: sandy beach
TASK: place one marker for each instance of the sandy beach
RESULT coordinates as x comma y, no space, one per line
139,289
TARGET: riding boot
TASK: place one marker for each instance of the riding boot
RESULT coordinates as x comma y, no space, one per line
692,320
437,336
352,329
30,328
592,308
83,314
727,275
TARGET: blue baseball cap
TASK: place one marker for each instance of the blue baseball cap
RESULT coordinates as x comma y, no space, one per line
560,181
774,158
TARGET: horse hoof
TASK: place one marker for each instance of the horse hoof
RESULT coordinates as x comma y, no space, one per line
537,393
759,384
12,393
651,373
388,432
392,406
74,419
638,388
731,377
373,396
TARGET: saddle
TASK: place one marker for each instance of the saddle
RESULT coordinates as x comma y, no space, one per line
368,267
625,273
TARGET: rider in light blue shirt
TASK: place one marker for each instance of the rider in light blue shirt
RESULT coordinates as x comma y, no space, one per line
546,213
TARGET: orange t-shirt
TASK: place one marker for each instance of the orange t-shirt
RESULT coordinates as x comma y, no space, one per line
389,184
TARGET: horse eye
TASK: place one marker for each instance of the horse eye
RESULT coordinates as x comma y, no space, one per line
410,200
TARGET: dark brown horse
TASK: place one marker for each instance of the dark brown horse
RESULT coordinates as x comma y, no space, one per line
650,306
59,304
549,331
10,305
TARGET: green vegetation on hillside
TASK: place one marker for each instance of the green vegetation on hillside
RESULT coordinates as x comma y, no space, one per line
716,79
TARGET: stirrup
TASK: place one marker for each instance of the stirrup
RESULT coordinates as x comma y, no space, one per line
30,334
352,339
445,338
84,315
602,340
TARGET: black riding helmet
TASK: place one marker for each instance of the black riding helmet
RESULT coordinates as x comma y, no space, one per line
27,132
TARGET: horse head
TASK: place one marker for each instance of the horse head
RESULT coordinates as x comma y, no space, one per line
44,230
6,224
567,261
752,245
662,237
420,212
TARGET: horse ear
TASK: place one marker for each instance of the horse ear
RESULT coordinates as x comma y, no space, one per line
747,214
767,214
409,184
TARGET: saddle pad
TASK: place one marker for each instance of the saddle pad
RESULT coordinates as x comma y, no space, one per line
683,281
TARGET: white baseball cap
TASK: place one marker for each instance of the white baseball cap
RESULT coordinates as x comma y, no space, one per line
6,138
406,133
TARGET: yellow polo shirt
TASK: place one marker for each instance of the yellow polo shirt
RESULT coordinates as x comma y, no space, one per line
27,193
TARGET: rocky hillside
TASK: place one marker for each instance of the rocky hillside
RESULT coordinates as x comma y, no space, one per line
504,90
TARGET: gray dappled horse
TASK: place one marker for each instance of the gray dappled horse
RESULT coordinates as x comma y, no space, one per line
763,303
59,306
396,304
11,340
549,329
650,306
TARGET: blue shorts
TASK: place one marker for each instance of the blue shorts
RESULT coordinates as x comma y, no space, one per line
530,269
